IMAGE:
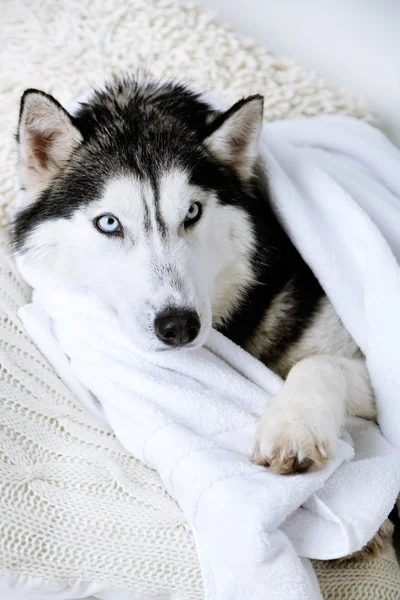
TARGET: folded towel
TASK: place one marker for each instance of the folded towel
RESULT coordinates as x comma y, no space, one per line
192,415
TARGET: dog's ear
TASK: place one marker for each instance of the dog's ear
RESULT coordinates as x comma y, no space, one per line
46,139
234,135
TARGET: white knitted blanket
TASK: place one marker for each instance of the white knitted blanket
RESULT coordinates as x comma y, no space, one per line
78,514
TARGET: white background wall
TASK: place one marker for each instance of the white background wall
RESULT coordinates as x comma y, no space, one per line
355,43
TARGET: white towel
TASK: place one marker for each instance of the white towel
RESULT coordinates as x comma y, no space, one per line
191,415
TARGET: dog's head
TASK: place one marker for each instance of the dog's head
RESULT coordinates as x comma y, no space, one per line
139,197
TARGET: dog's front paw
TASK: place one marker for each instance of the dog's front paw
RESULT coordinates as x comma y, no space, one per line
289,442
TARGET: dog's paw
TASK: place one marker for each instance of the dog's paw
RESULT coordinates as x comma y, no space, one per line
288,442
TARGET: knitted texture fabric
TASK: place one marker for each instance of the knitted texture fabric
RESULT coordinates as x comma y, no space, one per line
370,579
73,503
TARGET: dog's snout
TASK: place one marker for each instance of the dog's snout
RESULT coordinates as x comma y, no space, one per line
177,327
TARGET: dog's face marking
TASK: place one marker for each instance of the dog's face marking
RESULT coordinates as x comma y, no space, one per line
182,243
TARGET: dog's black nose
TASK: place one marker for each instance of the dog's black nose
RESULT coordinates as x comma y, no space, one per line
176,327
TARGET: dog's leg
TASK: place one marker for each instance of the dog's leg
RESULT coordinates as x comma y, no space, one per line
300,428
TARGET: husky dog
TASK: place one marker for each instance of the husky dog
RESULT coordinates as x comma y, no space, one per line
157,203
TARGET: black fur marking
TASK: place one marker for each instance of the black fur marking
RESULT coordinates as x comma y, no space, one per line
276,263
146,220
162,228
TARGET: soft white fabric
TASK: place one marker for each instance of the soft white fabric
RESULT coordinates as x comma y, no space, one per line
191,415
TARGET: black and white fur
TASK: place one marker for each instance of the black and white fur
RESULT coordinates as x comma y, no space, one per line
146,153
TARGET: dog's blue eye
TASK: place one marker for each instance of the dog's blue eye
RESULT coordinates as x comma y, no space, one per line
194,213
108,224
